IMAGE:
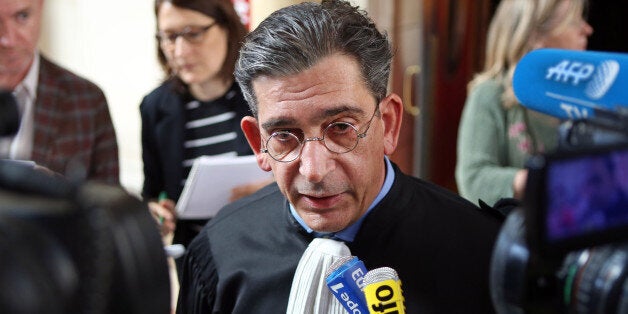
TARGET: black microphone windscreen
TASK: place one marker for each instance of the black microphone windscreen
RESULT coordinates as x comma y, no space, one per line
9,116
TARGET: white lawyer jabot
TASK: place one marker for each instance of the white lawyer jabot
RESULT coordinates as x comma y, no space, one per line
309,293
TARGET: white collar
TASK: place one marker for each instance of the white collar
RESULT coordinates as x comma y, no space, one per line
31,80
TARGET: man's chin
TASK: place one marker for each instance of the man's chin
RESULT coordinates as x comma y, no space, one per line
6,84
324,225
9,78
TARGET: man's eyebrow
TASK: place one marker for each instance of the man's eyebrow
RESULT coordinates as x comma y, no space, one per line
283,121
342,109
277,122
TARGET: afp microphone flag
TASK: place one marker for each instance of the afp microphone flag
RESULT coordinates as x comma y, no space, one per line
570,84
345,280
382,289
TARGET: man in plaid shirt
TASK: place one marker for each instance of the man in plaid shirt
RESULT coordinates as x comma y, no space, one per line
65,124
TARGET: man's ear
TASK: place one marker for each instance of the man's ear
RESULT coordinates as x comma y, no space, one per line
391,109
251,130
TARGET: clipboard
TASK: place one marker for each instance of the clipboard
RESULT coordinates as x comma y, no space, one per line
210,181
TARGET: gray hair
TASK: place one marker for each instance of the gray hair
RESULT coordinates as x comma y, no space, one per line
295,38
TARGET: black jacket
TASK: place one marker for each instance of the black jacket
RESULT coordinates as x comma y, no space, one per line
163,126
439,243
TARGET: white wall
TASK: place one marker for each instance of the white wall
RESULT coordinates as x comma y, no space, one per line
112,44
260,9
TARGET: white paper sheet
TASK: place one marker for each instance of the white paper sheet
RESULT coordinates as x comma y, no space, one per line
208,187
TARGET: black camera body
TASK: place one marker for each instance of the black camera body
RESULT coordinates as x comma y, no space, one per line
77,247
565,249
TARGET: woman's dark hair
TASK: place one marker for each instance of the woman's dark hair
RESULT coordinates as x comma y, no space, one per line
223,12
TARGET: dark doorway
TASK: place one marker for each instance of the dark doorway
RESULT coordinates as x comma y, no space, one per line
608,19
609,22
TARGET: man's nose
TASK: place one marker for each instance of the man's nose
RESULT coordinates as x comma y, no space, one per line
315,161
7,35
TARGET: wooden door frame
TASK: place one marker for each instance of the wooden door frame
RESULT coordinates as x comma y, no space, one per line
451,45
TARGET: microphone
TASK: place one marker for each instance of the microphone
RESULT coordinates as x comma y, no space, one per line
9,116
345,280
571,84
382,288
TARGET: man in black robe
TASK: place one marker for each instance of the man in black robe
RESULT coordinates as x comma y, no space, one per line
315,77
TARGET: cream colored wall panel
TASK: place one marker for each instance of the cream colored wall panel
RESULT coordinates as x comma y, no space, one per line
260,9
112,44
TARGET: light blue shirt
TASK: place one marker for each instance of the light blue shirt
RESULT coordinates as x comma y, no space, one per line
348,234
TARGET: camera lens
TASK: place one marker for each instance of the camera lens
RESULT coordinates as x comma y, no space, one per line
508,266
593,279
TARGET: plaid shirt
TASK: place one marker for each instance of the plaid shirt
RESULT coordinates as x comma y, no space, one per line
73,134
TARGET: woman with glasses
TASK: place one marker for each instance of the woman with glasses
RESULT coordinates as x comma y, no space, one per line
496,134
197,109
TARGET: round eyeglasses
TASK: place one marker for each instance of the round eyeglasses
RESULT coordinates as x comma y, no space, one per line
338,137
191,34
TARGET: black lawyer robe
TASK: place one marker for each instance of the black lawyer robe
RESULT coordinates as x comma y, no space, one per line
439,243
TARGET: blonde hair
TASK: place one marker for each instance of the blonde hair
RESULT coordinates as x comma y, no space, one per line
514,29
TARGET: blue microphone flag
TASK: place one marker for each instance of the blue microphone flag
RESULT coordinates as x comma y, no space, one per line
345,280
570,84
